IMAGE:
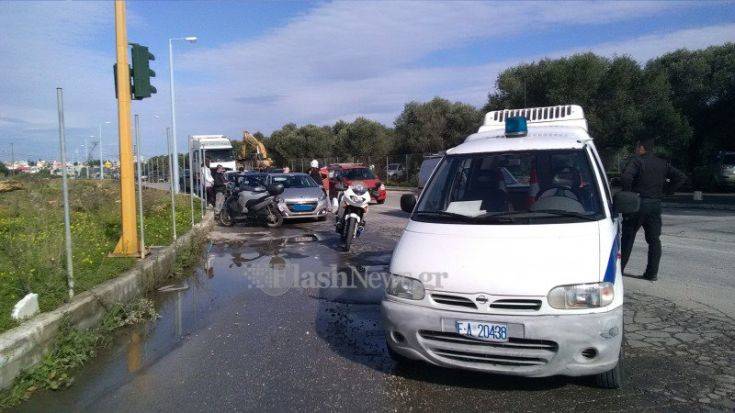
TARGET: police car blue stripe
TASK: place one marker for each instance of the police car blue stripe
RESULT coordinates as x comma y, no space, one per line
612,261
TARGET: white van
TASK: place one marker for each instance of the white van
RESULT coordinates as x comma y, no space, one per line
510,262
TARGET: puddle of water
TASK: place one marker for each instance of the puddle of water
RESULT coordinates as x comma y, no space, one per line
189,305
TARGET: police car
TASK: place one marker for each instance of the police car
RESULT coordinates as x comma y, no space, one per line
510,261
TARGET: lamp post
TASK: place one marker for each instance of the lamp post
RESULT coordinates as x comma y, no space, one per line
102,165
89,153
175,157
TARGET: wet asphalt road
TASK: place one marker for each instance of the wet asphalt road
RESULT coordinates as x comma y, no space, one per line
223,344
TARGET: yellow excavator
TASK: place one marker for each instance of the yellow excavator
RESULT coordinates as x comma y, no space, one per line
253,154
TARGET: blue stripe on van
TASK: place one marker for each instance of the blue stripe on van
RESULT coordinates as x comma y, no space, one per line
612,261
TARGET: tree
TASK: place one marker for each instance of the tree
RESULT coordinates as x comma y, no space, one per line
362,137
702,84
435,125
622,103
292,142
4,171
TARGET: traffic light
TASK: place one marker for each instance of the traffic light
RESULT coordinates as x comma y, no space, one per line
141,72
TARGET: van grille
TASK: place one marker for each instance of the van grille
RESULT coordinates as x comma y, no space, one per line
516,304
519,343
490,358
453,300
516,352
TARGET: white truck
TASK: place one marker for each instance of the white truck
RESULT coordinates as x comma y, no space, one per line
209,150
214,149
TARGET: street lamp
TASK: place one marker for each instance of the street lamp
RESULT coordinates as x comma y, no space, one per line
102,166
175,165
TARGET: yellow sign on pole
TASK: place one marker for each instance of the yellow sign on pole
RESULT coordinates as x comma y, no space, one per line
127,246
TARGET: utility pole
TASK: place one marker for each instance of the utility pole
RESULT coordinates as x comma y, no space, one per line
12,159
169,140
102,165
127,246
65,190
174,148
138,159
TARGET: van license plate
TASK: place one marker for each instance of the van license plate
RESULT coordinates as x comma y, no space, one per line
483,330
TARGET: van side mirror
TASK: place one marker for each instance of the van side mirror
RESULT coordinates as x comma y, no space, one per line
408,202
625,202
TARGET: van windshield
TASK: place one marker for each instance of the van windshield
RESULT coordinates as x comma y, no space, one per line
512,188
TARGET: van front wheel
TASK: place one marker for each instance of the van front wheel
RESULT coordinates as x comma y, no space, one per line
612,379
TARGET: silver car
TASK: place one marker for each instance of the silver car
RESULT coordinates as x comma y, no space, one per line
302,197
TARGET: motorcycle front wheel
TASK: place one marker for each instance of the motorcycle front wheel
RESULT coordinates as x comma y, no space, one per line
225,218
274,219
350,234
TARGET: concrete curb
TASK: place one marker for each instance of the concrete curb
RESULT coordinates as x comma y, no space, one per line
24,346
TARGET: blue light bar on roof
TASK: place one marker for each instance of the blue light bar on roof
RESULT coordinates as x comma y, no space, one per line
515,127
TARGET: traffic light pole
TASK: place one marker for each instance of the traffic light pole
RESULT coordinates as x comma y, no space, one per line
127,246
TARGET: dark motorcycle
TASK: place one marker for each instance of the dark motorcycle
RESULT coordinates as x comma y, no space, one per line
262,209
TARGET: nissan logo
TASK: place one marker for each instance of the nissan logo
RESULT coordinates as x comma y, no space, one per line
481,299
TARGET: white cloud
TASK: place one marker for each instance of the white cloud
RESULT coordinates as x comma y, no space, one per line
646,47
338,60
342,60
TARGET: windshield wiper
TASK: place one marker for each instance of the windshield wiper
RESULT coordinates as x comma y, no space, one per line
444,214
563,213
498,216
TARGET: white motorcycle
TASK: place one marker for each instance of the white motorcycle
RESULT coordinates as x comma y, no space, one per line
352,205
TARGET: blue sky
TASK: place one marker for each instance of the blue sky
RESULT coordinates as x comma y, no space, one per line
258,65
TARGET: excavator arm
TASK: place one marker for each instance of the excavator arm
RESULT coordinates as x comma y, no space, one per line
259,155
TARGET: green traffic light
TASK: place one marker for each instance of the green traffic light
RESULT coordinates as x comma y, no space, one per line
141,72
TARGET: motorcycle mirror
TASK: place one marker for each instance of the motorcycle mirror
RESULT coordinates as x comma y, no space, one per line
275,189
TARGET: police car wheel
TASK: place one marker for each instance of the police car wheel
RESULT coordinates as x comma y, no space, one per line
611,379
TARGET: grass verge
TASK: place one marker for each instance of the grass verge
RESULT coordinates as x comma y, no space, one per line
32,237
72,349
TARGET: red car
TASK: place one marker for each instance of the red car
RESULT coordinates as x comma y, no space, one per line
354,174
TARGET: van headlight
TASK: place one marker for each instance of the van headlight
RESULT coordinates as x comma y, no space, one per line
570,297
405,287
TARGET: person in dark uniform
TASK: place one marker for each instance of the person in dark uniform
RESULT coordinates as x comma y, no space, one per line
647,175
219,187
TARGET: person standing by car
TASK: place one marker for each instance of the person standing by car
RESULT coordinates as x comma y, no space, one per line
314,172
647,175
208,181
219,186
